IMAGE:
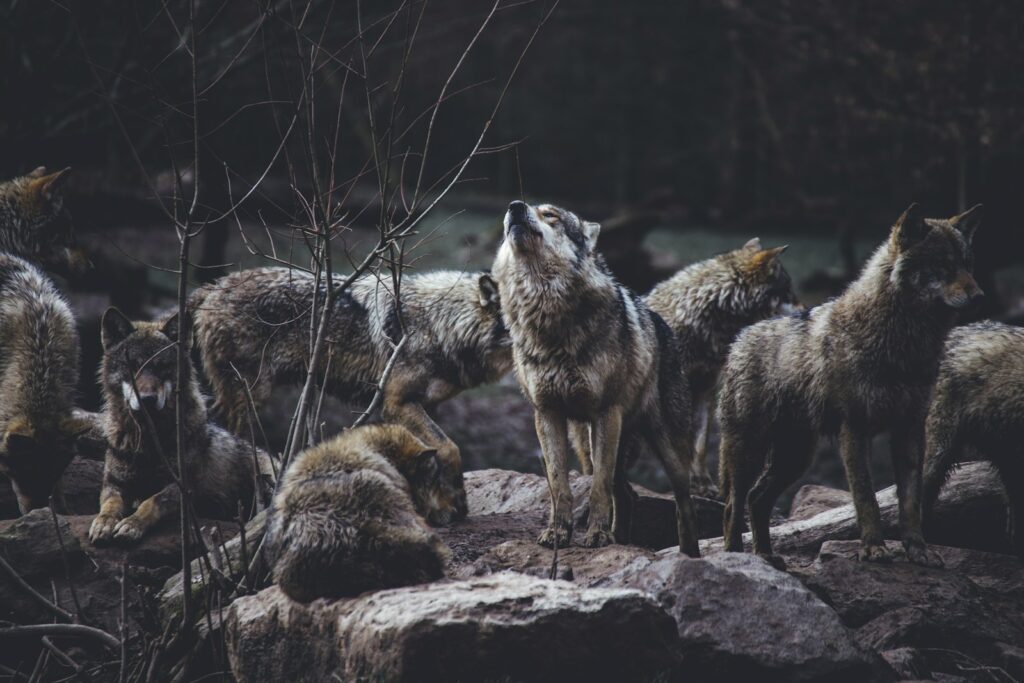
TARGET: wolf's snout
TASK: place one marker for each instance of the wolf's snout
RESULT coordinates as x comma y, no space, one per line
517,209
151,393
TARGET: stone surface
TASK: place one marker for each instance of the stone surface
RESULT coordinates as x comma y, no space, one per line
813,499
970,513
503,627
80,490
491,492
584,566
31,544
741,619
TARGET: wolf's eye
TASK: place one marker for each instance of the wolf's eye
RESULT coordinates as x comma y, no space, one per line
548,214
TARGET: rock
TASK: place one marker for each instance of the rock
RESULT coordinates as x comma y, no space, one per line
504,627
813,499
908,663
740,619
900,605
491,492
473,536
31,546
585,566
80,487
970,513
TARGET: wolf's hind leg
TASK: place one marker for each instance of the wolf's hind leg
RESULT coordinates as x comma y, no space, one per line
675,455
700,477
790,454
740,459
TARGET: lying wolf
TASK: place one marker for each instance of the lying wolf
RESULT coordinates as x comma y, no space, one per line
587,350
348,517
139,380
978,409
39,352
255,323
862,364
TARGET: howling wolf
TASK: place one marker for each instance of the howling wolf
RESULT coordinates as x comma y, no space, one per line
859,365
586,350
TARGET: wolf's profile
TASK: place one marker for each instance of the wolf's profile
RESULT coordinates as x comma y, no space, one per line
34,223
587,350
38,374
862,364
348,516
139,377
978,410
707,304
255,323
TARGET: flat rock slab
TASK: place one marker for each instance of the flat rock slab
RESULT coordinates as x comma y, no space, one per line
973,605
970,513
741,619
507,627
585,566
493,492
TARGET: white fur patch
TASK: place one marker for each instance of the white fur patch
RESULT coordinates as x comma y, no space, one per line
130,397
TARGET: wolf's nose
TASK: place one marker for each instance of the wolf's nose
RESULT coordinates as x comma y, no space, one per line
517,208
150,401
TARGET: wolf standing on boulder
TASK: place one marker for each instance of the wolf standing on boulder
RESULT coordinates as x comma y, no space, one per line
856,366
588,350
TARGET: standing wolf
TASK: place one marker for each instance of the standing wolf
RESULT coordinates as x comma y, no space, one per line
707,304
34,223
587,350
347,517
255,323
138,377
38,375
978,409
859,365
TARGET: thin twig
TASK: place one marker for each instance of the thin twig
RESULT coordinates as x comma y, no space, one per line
34,594
79,630
67,565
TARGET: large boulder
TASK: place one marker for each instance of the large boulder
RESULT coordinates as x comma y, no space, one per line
504,627
492,492
970,513
32,544
738,618
79,492
973,605
813,499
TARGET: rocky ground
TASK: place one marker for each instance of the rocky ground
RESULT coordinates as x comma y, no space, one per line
626,612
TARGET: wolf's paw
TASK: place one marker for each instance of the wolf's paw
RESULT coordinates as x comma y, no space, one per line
774,560
128,530
548,537
918,553
102,528
704,488
874,553
598,538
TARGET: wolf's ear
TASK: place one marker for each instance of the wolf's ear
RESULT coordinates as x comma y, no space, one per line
968,221
910,228
48,186
171,326
766,257
38,172
590,232
753,244
115,327
488,291
427,464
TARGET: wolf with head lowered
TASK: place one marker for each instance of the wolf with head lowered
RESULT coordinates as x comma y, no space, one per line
862,364
254,326
587,351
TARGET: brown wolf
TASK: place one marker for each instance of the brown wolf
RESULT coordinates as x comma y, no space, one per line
856,366
257,322
587,350
978,409
38,374
34,223
706,305
138,377
347,517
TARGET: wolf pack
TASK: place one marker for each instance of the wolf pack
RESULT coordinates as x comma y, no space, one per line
611,375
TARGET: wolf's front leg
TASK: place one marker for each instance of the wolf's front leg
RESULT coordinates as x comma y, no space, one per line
112,499
907,458
604,445
553,434
854,447
579,437
155,508
414,417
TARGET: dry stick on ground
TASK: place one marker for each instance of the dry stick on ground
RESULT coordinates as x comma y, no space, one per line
67,564
76,630
34,594
65,658
122,675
